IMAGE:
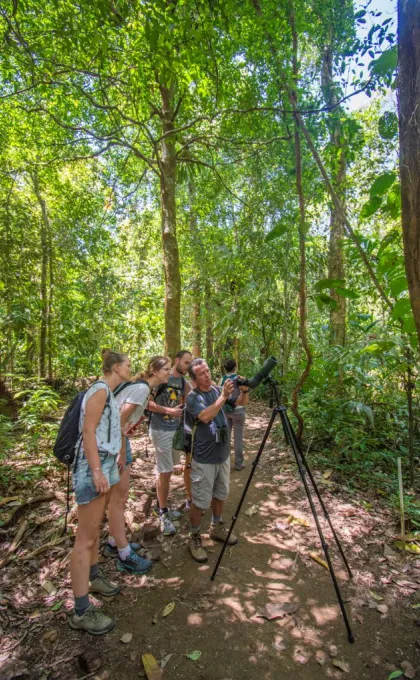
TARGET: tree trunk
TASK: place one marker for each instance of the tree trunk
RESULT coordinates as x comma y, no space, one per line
169,239
45,312
302,250
337,228
195,286
50,306
409,126
209,326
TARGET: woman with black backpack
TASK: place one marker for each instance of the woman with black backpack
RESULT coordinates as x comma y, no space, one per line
95,471
132,398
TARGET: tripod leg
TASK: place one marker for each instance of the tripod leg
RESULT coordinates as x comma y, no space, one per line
288,428
238,509
320,499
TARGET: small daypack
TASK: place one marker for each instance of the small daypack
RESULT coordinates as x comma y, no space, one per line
68,433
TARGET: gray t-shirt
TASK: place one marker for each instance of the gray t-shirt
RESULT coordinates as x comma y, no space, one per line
170,397
207,447
137,393
109,422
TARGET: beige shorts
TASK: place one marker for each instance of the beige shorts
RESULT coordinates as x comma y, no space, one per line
209,480
166,456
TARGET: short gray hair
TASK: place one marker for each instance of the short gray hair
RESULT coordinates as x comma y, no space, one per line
193,365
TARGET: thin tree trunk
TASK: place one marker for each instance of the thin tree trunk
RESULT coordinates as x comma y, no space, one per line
169,238
209,325
409,125
195,286
45,314
337,230
302,251
50,306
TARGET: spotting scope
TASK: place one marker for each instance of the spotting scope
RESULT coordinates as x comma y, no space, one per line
264,371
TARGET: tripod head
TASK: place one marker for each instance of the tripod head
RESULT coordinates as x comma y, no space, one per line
274,392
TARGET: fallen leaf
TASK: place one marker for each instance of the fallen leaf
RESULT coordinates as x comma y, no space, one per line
50,635
278,611
333,651
409,547
49,587
297,520
327,474
342,665
194,656
415,606
376,597
318,560
407,584
126,638
151,667
164,662
57,606
382,608
407,537
408,669
252,510
395,674
168,609
320,657
133,656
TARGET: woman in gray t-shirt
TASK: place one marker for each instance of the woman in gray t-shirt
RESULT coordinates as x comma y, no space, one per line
94,472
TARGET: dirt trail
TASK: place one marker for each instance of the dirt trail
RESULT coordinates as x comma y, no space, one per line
269,566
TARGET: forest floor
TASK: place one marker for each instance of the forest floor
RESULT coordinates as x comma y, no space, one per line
270,614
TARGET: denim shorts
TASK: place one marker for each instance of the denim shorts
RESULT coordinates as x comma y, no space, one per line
128,454
83,486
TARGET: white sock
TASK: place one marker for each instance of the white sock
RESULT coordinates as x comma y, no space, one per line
124,552
111,541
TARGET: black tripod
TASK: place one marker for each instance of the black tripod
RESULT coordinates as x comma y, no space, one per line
304,471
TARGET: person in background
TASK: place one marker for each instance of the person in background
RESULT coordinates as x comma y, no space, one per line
235,415
94,472
210,467
131,400
166,411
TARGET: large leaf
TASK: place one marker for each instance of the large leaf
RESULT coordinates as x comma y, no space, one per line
386,64
378,347
347,293
398,285
325,299
277,231
323,284
371,207
388,125
401,308
382,184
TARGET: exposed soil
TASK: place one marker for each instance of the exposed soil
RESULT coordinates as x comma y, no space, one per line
271,565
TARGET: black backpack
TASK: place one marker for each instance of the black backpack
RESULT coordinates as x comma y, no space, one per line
68,434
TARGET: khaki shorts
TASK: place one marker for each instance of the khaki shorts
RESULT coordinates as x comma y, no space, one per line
166,456
209,480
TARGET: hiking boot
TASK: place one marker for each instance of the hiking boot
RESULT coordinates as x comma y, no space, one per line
239,467
101,585
218,532
93,621
112,550
134,564
166,525
174,514
196,548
